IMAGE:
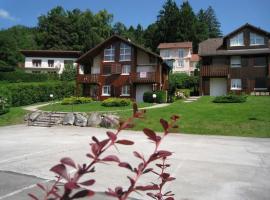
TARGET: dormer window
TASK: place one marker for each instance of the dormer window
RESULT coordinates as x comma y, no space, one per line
256,39
109,53
125,52
237,40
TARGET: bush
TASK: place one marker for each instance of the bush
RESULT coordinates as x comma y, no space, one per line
182,93
76,100
161,97
69,73
29,93
116,102
231,98
5,100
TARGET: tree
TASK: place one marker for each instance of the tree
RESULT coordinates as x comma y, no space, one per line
69,73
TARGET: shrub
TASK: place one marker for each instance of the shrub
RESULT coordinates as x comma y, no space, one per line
231,98
182,93
116,102
69,73
5,100
29,93
76,100
161,97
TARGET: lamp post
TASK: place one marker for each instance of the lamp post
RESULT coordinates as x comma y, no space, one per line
154,98
51,96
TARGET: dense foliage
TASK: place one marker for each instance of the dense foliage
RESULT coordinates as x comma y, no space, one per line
161,97
231,98
69,73
76,100
82,30
5,100
29,93
116,102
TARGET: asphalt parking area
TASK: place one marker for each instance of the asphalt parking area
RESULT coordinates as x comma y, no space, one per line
205,167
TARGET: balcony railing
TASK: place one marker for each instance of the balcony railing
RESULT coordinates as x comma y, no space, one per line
211,70
87,78
144,77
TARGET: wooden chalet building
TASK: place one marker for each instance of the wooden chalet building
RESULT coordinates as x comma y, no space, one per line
238,62
120,68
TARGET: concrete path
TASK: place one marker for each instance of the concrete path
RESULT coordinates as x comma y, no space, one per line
34,108
192,99
205,167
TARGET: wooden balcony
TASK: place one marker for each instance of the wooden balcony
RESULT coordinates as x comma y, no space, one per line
144,77
211,70
87,78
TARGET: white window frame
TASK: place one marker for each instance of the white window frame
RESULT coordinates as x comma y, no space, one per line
236,84
180,63
237,40
181,53
255,39
106,90
235,61
126,69
109,54
125,90
37,64
166,53
125,52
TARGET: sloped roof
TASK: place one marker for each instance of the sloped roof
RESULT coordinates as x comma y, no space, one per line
195,58
175,45
51,53
209,47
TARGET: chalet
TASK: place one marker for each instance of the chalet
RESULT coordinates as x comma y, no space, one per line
238,62
181,54
120,68
48,61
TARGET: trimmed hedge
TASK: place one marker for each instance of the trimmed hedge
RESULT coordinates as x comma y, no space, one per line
161,97
29,93
76,100
116,102
231,98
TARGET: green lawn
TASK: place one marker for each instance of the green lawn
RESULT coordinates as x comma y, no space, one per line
14,116
89,107
251,118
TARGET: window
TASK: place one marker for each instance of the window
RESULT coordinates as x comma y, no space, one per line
260,83
36,72
235,61
125,52
50,63
165,53
180,63
125,69
237,40
256,39
125,90
53,72
106,90
36,63
181,53
260,61
107,70
236,84
109,53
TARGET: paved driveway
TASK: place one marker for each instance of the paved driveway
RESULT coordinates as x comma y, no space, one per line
206,167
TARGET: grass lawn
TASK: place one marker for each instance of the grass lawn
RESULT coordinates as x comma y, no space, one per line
251,118
89,107
14,116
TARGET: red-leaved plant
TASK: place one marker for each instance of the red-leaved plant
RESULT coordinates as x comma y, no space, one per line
74,188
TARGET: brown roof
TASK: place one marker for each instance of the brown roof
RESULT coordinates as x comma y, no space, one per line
195,58
209,46
175,45
51,53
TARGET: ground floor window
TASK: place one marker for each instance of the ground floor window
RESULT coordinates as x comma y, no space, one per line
36,72
106,90
125,90
126,69
236,84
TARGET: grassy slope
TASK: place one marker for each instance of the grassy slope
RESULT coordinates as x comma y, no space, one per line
14,116
94,106
204,117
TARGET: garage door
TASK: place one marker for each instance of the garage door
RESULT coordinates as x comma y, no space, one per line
218,86
140,90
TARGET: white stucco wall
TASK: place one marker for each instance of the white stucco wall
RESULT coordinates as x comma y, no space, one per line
58,63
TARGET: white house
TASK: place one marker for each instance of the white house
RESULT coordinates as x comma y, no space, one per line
48,61
181,54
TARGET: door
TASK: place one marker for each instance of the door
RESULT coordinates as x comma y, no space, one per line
218,86
141,89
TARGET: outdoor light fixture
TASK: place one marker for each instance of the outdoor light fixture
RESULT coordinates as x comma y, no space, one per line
154,97
51,95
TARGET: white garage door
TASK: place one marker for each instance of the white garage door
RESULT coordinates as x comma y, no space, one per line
140,90
218,86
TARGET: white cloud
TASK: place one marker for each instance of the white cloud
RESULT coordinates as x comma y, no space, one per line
5,15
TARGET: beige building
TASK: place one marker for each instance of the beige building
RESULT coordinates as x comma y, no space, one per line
181,53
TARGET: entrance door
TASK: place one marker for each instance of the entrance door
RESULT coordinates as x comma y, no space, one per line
140,90
218,86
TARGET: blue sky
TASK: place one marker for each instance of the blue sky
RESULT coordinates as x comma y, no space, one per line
231,13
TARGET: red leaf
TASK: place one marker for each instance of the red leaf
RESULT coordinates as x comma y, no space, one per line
169,198
33,196
61,170
112,136
111,158
125,165
148,170
125,142
71,185
68,161
41,187
95,148
132,181
83,193
103,143
163,153
164,124
88,183
148,187
138,155
150,134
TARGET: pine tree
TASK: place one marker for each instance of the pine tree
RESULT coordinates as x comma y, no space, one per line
212,22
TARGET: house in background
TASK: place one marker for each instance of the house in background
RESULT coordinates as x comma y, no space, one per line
181,53
48,61
238,62
120,68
